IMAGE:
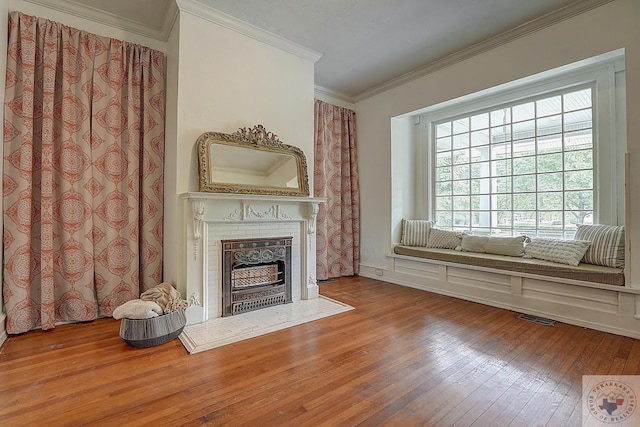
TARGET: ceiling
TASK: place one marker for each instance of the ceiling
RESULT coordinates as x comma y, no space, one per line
366,45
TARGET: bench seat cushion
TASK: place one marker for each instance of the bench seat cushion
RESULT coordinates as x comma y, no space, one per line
583,272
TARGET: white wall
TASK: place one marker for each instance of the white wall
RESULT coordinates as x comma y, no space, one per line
609,27
225,81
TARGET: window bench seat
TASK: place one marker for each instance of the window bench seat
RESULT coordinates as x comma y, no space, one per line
586,295
582,272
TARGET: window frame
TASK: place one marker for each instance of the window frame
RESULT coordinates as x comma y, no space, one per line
600,74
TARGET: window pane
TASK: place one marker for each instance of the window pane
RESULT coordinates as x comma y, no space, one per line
523,112
443,203
480,186
480,170
549,144
461,125
480,121
579,201
550,224
578,140
501,134
482,202
579,180
461,171
524,165
443,143
524,130
550,201
501,117
524,201
524,183
549,106
582,159
444,159
525,147
501,167
480,137
577,120
501,202
443,129
524,222
461,187
501,185
461,156
461,141
444,219
443,174
577,100
550,162
501,151
549,125
550,181
444,188
461,219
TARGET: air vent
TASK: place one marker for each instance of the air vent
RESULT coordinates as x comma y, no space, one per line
536,319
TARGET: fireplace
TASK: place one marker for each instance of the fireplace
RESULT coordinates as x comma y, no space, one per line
210,218
256,273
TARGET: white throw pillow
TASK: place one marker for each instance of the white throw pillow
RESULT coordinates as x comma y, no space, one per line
607,244
511,246
562,251
445,239
415,232
137,309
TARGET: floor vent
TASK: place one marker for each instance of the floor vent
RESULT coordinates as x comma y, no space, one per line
536,319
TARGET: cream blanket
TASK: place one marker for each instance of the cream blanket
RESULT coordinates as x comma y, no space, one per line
166,296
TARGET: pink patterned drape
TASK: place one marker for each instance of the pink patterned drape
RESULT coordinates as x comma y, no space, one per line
83,173
336,179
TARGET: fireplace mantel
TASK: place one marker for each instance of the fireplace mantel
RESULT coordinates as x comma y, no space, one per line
207,218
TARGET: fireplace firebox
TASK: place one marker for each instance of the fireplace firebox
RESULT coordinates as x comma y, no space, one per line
256,273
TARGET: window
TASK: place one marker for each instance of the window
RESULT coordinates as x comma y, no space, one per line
523,168
534,157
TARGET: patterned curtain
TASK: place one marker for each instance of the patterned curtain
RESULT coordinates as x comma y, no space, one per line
83,173
336,179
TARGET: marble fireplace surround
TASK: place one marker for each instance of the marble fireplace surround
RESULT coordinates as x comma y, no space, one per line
208,218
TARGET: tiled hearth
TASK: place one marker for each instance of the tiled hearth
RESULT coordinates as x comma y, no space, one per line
209,218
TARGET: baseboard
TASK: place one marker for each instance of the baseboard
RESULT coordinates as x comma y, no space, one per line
441,288
3,329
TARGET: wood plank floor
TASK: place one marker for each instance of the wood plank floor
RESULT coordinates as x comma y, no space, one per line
403,357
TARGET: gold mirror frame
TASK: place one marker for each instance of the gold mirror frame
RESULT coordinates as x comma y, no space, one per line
256,138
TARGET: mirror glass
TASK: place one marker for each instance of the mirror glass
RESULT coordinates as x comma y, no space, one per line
251,161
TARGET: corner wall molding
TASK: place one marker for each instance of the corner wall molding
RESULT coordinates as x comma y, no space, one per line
217,17
571,10
80,10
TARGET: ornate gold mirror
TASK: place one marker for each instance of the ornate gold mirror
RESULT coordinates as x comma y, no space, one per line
250,161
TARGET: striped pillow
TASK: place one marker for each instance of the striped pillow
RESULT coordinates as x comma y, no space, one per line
607,244
415,232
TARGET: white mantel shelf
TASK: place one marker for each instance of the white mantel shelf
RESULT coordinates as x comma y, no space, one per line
252,197
205,218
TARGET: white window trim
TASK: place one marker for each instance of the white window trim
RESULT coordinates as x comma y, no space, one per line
605,73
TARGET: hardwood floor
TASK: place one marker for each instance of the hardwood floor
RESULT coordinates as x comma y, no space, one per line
403,357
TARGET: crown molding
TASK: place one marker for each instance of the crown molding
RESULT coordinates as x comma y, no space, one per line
319,90
571,10
217,17
79,10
